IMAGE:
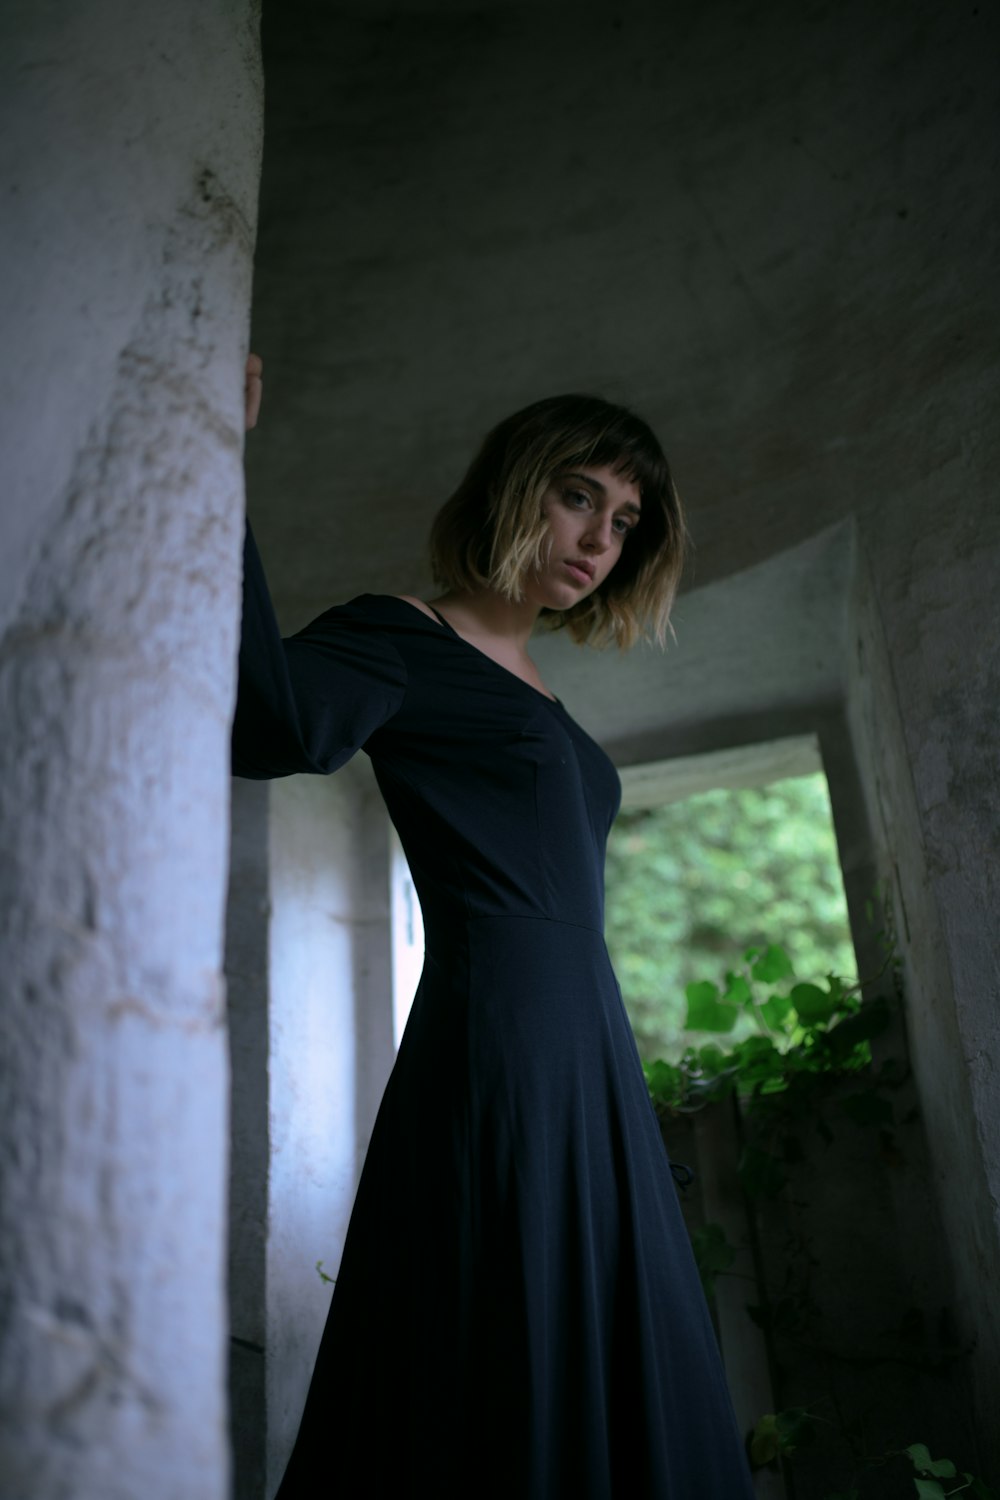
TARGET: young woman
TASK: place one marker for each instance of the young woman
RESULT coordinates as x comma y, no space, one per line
517,1314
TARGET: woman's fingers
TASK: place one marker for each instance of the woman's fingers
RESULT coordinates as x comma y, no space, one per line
254,389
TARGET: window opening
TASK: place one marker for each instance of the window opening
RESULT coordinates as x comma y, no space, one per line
698,873
407,927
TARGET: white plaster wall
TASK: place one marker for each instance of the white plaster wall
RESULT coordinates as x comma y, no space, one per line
330,1029
128,172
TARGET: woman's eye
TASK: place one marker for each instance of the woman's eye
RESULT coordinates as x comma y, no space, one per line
578,498
622,526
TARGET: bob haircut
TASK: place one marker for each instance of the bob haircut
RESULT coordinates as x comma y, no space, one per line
492,532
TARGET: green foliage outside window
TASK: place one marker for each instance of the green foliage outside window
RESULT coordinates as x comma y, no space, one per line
692,883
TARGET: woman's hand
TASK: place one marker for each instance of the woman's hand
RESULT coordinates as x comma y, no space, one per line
253,389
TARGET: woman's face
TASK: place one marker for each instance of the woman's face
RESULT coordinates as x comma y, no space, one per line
590,512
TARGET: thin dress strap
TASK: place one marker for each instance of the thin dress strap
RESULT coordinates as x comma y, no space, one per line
441,617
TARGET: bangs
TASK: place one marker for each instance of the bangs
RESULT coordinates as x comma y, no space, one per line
629,450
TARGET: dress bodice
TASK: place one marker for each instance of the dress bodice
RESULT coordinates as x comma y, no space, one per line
502,802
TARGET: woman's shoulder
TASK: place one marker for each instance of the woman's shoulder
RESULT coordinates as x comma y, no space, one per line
379,628
394,613
412,599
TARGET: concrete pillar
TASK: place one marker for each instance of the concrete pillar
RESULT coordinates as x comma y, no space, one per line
128,173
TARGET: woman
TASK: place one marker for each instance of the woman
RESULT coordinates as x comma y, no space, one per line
517,1313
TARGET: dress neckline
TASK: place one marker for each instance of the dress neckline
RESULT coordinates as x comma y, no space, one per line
445,624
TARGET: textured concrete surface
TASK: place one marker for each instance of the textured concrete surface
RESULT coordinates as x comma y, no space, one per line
851,1273
771,229
128,164
330,1050
248,931
938,884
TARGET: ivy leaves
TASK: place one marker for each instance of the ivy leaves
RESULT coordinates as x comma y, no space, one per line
710,1008
801,1030
805,1033
930,1488
780,1434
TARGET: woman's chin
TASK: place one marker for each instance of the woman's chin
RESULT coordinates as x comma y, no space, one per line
564,596
556,593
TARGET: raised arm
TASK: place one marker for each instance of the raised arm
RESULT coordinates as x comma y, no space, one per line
309,702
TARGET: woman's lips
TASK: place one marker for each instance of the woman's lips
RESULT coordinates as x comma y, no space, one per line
579,573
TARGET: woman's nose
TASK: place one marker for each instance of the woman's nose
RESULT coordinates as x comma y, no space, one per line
597,537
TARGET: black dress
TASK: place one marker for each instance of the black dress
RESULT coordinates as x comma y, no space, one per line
517,1313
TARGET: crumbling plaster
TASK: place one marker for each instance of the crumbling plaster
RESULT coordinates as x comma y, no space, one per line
129,152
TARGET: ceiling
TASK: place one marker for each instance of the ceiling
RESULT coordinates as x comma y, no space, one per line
733,216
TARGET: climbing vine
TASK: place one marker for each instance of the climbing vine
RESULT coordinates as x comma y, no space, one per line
802,1031
805,1066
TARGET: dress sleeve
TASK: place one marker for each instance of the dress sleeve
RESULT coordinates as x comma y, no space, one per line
309,702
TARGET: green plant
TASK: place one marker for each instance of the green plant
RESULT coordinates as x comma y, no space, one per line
926,1474
803,1031
790,1087
780,1434
934,1470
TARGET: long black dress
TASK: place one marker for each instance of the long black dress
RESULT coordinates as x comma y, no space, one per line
517,1314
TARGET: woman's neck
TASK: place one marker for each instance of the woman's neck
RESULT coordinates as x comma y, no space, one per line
489,616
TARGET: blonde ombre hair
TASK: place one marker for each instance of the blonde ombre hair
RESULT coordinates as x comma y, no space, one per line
492,532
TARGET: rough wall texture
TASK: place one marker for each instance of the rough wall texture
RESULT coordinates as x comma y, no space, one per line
330,1051
128,174
924,723
247,966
